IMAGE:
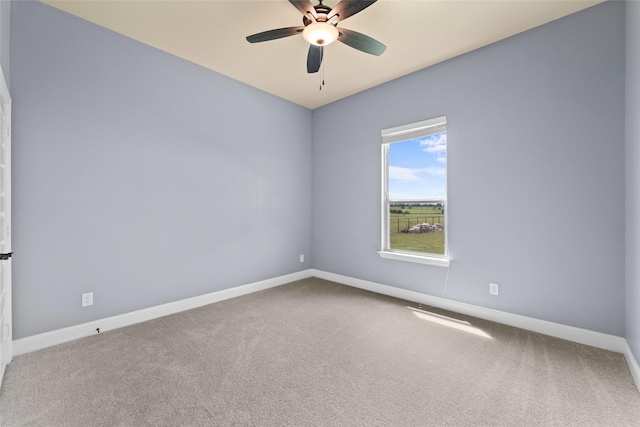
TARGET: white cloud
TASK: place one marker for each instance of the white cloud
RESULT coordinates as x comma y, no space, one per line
435,144
403,174
435,171
435,149
411,175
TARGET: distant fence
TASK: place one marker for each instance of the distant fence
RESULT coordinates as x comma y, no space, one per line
410,222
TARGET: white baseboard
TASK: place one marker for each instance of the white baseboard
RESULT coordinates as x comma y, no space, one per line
633,365
59,336
569,333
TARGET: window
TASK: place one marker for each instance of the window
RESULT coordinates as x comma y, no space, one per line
414,192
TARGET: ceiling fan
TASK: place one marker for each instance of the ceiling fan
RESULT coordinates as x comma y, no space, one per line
320,30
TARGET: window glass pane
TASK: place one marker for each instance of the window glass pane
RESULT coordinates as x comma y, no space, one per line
417,227
417,168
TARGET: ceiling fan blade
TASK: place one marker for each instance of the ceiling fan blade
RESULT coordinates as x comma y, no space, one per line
347,8
274,34
304,6
361,42
314,58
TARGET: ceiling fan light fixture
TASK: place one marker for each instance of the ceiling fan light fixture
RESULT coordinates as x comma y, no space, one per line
320,33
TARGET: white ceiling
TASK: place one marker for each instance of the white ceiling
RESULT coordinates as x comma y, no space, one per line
417,33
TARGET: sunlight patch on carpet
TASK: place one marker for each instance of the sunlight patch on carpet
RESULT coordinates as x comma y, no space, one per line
450,322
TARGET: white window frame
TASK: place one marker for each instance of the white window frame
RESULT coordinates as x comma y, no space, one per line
403,133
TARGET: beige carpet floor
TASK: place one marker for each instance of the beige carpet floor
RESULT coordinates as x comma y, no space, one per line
316,353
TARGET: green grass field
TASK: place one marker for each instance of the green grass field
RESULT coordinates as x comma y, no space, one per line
431,242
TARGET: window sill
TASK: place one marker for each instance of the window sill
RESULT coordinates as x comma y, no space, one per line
400,256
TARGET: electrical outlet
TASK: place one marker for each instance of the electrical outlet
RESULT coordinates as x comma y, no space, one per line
302,258
87,299
494,288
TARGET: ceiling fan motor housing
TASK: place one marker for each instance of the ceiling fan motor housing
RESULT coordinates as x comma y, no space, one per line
322,12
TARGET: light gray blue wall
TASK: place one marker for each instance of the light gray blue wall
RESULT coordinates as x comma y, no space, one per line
5,20
141,177
536,173
632,45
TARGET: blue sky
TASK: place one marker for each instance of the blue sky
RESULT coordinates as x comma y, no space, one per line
417,167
